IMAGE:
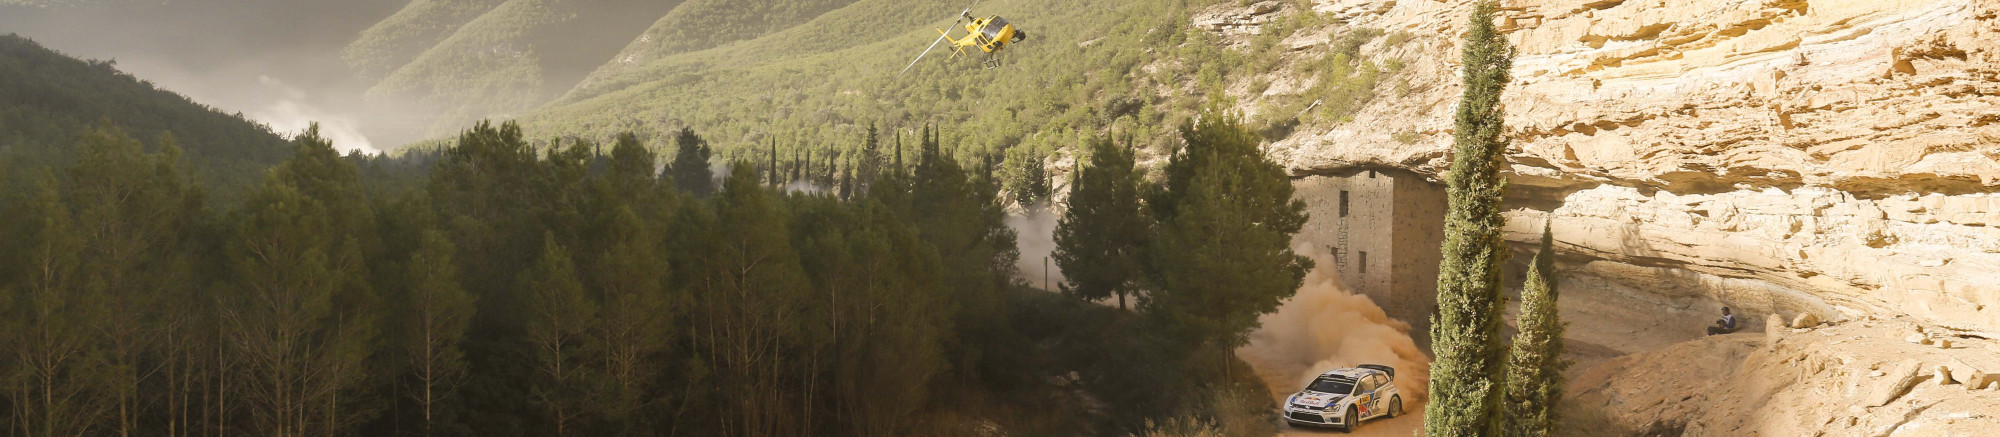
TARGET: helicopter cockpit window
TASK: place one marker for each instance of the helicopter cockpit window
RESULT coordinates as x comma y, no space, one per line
993,28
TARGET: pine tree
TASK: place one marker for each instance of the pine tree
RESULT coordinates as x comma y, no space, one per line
302,318
134,209
1535,365
753,306
1100,236
1466,333
1222,256
50,332
690,166
558,330
437,313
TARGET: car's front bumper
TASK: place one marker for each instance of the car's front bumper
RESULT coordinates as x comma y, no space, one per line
1314,418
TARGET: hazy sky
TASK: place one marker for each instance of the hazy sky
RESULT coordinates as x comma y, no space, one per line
276,61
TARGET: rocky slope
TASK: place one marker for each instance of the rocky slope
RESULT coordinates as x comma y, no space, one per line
1868,377
1833,157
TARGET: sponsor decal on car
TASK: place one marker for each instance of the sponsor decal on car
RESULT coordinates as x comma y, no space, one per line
1317,400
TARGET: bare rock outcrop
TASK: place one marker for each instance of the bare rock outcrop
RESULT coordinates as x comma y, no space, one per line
1805,320
1847,379
1893,385
1827,156
1247,20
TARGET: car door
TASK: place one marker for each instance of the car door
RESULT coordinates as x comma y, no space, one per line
1381,395
1364,390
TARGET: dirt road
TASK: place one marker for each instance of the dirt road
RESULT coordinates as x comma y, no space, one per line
1404,426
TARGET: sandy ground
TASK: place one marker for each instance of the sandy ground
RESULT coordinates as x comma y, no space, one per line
1856,378
1329,328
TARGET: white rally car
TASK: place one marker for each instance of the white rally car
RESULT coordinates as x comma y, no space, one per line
1344,397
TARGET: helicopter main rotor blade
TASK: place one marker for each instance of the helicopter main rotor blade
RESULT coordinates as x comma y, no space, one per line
927,50
920,56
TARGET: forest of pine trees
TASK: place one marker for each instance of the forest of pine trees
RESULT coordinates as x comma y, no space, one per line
498,288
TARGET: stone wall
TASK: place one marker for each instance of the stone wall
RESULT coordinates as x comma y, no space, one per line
1830,156
1393,226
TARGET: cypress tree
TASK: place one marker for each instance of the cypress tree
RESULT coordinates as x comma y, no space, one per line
870,165
1466,330
772,170
1535,365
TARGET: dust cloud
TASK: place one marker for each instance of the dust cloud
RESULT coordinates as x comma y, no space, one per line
291,112
1035,234
1325,327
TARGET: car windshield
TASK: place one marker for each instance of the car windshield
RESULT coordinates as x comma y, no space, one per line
1335,385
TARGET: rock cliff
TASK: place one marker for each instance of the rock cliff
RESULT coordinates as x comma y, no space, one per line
1834,157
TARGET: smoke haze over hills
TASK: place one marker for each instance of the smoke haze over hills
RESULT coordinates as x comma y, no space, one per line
275,61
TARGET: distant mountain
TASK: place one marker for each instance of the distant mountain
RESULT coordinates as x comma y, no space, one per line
52,98
495,59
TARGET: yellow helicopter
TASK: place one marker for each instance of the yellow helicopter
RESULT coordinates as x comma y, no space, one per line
990,35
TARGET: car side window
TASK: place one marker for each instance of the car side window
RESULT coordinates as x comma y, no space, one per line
1367,385
1381,381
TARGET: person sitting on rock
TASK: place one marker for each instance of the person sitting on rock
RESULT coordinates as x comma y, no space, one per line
1725,325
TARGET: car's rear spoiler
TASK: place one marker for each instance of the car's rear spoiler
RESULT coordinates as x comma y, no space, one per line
1385,369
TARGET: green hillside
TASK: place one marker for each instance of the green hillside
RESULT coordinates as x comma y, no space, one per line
513,57
399,39
52,100
703,24
1088,66
808,78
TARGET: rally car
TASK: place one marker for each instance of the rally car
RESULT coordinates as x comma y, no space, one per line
1342,398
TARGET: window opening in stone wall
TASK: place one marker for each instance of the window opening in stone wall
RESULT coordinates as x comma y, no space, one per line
1343,203
1371,174
1364,261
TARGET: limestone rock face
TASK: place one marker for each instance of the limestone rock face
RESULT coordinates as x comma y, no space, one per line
1239,21
1827,156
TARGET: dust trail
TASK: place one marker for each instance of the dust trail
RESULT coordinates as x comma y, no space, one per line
1035,229
1325,327
291,113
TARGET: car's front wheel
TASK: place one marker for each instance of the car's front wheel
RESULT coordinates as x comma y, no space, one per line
1353,419
1395,407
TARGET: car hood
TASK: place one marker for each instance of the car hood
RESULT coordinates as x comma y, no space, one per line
1316,399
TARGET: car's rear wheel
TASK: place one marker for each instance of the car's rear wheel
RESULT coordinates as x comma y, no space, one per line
1353,419
1395,406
